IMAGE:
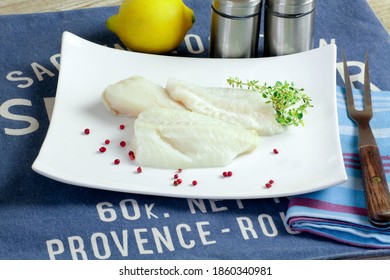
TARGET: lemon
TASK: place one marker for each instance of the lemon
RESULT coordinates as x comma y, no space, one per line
152,26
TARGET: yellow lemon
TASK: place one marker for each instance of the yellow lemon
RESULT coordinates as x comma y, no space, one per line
152,26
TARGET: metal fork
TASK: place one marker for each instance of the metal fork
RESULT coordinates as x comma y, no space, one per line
374,180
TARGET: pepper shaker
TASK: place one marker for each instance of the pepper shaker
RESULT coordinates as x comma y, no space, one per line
288,26
235,26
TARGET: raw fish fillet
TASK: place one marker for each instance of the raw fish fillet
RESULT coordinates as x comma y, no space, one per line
170,138
238,106
131,96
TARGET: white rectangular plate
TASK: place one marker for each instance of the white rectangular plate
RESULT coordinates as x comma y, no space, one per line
309,157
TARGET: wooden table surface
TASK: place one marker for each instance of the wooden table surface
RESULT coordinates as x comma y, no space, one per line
380,7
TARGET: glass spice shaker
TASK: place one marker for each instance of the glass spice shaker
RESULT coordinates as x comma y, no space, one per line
235,26
288,26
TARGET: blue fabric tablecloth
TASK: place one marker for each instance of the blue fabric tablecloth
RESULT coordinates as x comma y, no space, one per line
44,219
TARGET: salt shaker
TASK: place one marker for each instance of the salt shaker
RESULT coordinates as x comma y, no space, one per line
235,26
288,26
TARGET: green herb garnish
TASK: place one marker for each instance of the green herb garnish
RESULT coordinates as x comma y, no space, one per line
289,103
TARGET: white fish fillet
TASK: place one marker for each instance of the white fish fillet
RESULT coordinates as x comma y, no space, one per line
169,138
237,106
131,96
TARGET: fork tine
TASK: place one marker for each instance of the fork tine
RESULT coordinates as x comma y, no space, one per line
348,88
367,89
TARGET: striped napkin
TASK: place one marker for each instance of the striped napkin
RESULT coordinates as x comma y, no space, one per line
339,212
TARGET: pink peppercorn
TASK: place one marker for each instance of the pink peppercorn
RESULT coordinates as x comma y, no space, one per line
139,169
227,173
102,149
177,182
122,126
269,184
194,183
86,131
107,141
131,155
275,151
117,161
122,143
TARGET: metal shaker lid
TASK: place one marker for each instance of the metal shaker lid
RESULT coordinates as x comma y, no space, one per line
237,8
291,7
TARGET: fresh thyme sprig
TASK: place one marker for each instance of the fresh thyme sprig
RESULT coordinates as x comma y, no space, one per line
289,103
